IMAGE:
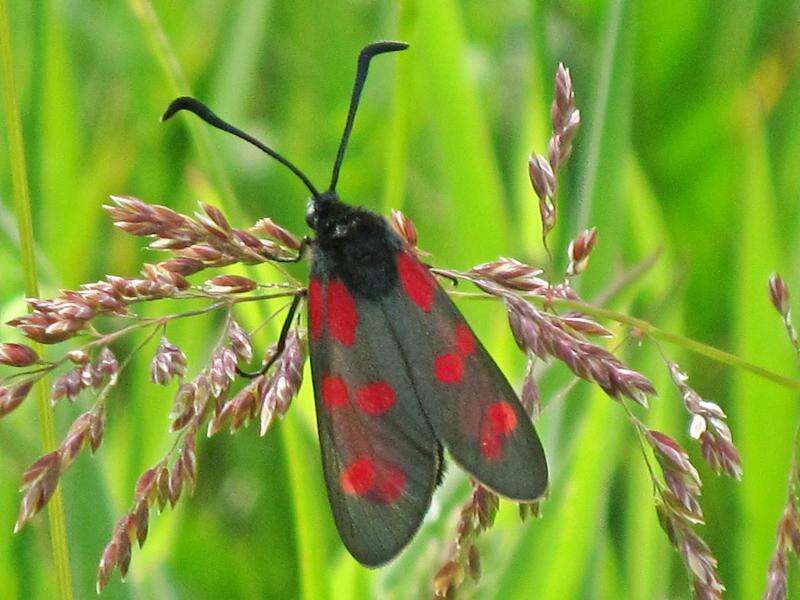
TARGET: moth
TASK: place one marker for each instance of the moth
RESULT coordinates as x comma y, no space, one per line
398,373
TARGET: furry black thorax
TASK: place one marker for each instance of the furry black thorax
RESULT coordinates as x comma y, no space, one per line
356,245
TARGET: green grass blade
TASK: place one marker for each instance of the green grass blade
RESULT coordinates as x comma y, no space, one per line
161,48
535,132
601,129
469,177
394,188
764,415
61,152
313,563
467,211
55,509
237,68
648,555
608,128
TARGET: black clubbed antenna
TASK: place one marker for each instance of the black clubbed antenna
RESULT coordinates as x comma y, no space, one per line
361,75
205,113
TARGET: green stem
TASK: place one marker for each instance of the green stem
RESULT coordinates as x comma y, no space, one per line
19,186
599,116
313,583
648,329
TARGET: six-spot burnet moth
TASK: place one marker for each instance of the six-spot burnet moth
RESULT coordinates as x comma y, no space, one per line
398,374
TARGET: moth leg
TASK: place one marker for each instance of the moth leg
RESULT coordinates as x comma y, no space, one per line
281,342
304,244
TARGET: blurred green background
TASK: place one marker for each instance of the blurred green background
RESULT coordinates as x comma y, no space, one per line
690,144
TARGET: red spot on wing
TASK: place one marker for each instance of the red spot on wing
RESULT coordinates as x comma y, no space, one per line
448,368
502,418
375,398
465,341
391,484
498,423
491,446
416,281
334,392
315,308
342,315
359,477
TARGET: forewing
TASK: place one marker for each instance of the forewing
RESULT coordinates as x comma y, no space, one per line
379,453
470,404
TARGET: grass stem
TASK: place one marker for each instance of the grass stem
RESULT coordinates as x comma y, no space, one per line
22,205
648,329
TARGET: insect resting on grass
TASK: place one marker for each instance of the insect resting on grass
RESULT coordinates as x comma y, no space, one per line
398,373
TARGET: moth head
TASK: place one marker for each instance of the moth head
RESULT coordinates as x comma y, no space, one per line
318,207
318,201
